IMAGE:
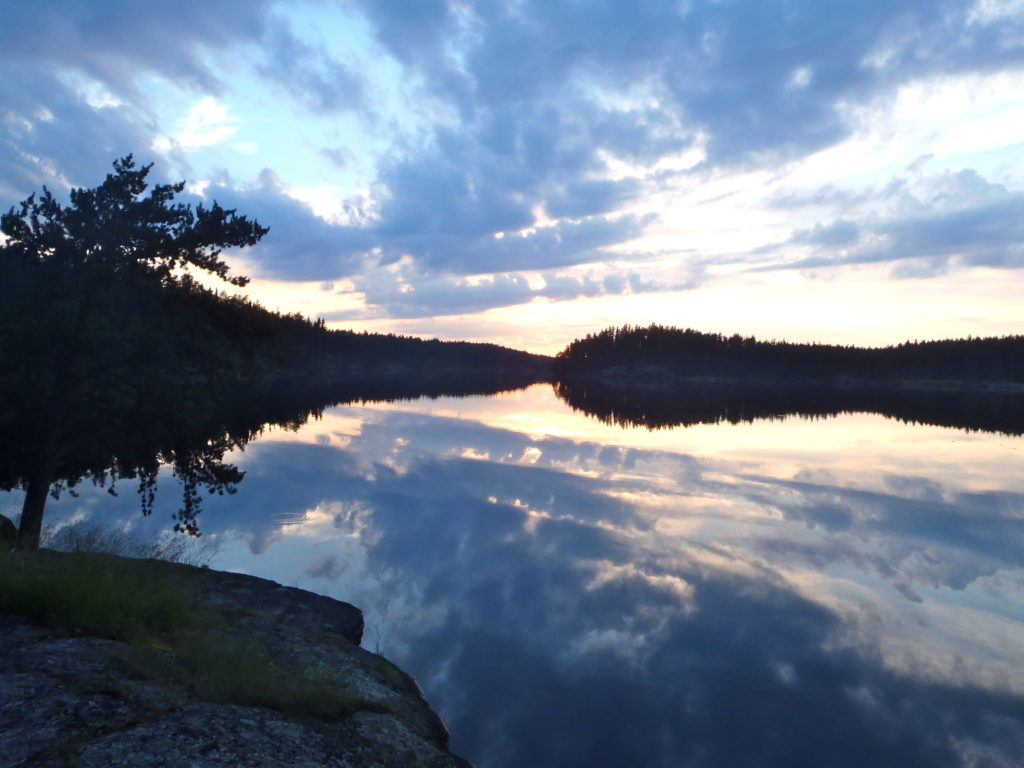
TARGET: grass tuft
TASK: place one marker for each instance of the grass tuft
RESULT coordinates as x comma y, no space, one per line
83,536
216,670
150,605
96,593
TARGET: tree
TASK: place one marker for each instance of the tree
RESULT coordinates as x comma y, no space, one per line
103,331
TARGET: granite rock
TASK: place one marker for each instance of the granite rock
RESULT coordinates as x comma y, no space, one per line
68,699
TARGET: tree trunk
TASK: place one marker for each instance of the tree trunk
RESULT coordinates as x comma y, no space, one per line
37,484
31,524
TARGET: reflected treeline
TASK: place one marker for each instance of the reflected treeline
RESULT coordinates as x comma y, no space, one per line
193,435
688,404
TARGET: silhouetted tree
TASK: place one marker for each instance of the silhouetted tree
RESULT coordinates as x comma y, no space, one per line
101,335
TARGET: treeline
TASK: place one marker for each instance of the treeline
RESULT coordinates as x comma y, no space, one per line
634,351
261,345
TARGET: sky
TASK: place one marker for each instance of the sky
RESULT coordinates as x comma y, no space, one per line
528,172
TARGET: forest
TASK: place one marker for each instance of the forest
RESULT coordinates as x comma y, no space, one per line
646,355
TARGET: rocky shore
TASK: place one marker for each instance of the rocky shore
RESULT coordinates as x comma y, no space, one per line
70,698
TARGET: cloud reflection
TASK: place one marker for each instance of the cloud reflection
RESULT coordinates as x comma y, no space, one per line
581,602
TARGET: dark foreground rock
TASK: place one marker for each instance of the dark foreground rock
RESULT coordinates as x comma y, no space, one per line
67,699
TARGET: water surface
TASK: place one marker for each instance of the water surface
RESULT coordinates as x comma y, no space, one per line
842,591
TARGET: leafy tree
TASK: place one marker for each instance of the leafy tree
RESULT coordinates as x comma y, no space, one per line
108,354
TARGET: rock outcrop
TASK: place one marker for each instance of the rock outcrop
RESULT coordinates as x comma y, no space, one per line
69,699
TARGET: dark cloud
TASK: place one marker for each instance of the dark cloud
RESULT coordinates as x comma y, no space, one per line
586,198
311,75
300,245
328,567
408,293
50,135
837,234
562,244
113,41
754,79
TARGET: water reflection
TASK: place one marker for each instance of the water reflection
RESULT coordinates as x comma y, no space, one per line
845,592
687,404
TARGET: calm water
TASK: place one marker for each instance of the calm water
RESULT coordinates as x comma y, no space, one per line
834,592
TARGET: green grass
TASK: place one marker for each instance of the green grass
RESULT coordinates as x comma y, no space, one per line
96,593
149,604
214,669
83,536
386,668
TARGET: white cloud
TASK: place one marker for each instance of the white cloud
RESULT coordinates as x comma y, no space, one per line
207,123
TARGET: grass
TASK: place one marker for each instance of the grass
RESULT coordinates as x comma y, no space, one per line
386,668
87,537
96,593
149,604
215,670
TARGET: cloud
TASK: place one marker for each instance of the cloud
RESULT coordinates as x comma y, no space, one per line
405,292
589,197
522,136
84,64
312,76
951,220
836,234
328,567
300,245
753,79
112,42
465,209
542,94
207,123
50,134
914,532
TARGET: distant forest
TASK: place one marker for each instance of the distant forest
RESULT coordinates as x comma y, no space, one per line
644,355
270,346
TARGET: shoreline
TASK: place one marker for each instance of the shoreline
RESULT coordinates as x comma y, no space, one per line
655,378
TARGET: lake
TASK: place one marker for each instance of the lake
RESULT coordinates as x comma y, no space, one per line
833,591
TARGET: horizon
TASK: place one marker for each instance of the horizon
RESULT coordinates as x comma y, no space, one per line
746,337
526,174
